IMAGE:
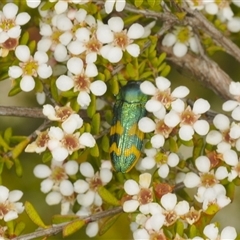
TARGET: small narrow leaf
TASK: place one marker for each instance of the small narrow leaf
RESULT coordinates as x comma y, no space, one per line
7,135
18,167
19,148
73,227
166,71
105,143
107,224
138,3
4,144
20,226
57,219
96,124
33,215
14,91
47,156
94,151
173,145
108,196
197,149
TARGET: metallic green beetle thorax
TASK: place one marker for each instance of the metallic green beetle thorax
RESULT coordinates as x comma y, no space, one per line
125,137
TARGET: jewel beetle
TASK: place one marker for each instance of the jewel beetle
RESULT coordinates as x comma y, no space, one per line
126,139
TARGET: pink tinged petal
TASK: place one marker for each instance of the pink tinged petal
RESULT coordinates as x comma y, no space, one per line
236,113
173,160
109,4
44,71
81,186
98,88
64,83
86,199
27,83
163,171
83,99
104,34
221,173
87,140
59,154
201,106
133,49
180,92
162,83
60,53
75,65
66,188
120,5
155,222
76,47
41,97
186,132
105,175
83,34
15,71
221,122
10,10
91,70
157,141
169,39
214,137
42,171
153,105
22,18
145,180
191,180
146,125
182,208
61,7
116,24
130,206
180,49
169,201
65,38
230,157
92,229
203,164
4,193
53,198
10,216
148,88
64,23
22,52
172,119
211,231
229,105
229,233
135,31
201,127
131,187
141,234
115,55
147,163
15,195
86,170
14,32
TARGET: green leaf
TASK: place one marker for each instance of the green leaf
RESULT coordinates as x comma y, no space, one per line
212,209
138,3
47,156
197,149
17,139
33,215
19,148
7,135
94,151
54,90
146,75
131,19
179,228
18,167
57,219
131,71
173,145
92,107
166,71
114,86
151,3
96,120
192,231
24,38
32,46
4,144
73,227
108,197
107,224
20,226
230,190
14,91
161,58
38,85
108,116
105,143
1,165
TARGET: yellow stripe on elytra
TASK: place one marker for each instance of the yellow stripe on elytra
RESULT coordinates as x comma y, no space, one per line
115,149
132,150
116,129
134,130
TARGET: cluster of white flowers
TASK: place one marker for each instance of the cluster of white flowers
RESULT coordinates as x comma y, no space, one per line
10,27
60,189
62,141
9,205
222,9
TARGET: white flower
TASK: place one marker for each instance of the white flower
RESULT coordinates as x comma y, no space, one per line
119,5
33,3
10,208
30,67
212,232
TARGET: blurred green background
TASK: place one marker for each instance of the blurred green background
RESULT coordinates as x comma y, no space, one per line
30,185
